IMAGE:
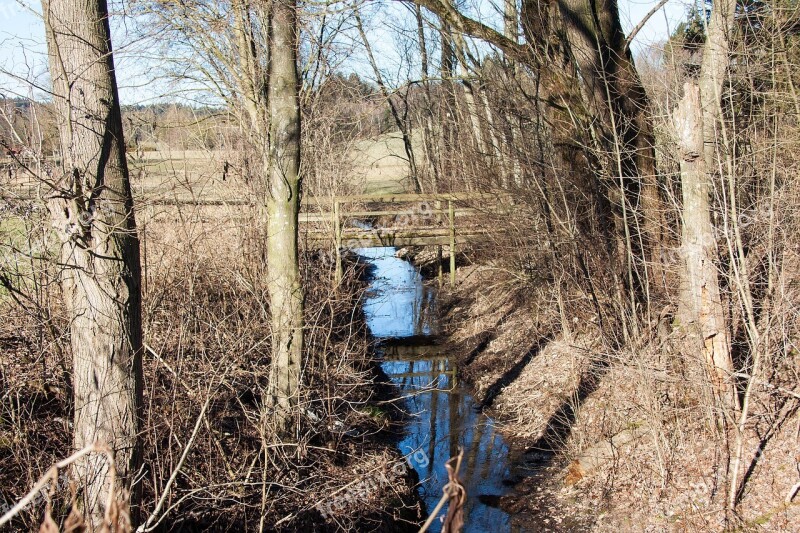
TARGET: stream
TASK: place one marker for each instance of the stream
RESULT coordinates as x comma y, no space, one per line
442,415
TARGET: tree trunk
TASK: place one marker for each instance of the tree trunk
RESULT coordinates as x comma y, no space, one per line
713,70
428,118
499,165
92,211
511,21
472,111
701,304
696,121
447,109
614,95
283,205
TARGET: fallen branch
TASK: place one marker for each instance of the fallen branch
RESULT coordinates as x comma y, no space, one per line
51,476
792,493
454,494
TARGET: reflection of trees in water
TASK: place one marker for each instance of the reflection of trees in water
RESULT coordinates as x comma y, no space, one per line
433,427
424,310
473,451
442,417
452,422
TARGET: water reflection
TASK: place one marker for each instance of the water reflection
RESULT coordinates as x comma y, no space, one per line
399,304
444,417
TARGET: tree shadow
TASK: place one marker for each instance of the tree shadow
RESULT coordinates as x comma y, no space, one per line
559,427
513,373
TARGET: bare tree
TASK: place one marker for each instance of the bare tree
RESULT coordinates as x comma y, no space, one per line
695,121
283,206
246,53
92,210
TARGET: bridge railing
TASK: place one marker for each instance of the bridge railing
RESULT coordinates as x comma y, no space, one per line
414,233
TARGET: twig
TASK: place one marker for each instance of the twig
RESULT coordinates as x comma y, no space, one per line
766,384
144,527
52,474
642,22
792,493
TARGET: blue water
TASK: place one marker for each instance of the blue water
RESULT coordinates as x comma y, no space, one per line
443,416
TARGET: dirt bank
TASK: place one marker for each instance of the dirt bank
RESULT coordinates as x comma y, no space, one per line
619,439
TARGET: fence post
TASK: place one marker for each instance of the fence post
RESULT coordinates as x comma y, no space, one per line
438,207
452,214
337,229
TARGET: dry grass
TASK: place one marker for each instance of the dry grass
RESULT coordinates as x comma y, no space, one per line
578,390
206,318
382,165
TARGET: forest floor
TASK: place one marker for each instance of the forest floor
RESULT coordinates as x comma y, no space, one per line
621,439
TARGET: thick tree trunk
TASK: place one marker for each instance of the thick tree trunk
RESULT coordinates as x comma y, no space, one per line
472,111
499,165
511,20
696,121
283,205
92,211
701,303
615,97
713,70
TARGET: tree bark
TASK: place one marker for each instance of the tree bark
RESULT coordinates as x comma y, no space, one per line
700,295
713,69
447,109
427,118
283,206
511,21
92,211
696,121
616,97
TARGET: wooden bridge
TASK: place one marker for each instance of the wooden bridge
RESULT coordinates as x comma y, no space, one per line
425,220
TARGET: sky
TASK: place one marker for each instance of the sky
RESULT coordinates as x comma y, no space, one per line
22,43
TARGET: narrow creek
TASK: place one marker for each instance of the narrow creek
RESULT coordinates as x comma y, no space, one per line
443,416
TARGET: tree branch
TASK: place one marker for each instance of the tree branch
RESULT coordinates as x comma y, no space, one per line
473,28
638,27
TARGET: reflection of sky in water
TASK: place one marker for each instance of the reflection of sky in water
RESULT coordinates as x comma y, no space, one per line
398,298
442,420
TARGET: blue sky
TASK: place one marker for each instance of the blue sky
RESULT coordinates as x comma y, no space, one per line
22,38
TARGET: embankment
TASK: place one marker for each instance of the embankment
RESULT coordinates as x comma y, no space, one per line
623,436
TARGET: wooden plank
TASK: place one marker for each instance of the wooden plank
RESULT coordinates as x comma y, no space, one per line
403,197
325,216
356,233
328,201
372,240
431,374
198,202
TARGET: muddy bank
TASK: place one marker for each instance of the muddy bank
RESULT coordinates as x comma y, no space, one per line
621,437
